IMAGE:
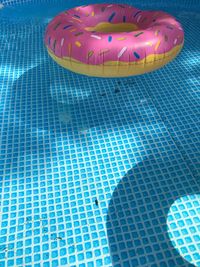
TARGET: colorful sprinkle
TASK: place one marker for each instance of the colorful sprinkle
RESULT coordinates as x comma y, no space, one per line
77,19
109,39
121,38
149,43
110,6
136,55
124,18
175,41
54,45
73,30
77,16
78,44
70,49
92,14
137,13
102,52
62,41
49,40
122,52
139,17
96,37
157,32
138,34
111,17
157,45
66,27
57,25
78,33
90,53
166,38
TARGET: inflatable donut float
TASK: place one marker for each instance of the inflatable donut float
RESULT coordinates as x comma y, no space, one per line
113,40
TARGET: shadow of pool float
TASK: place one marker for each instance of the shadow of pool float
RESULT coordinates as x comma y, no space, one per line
137,224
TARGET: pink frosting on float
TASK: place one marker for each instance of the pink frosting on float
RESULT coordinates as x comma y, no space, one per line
157,33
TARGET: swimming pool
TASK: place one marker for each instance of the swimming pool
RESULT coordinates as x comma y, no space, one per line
97,172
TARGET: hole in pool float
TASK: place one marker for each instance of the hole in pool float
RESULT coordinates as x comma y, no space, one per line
111,27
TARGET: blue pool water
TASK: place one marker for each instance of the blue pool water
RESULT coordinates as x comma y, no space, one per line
97,172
